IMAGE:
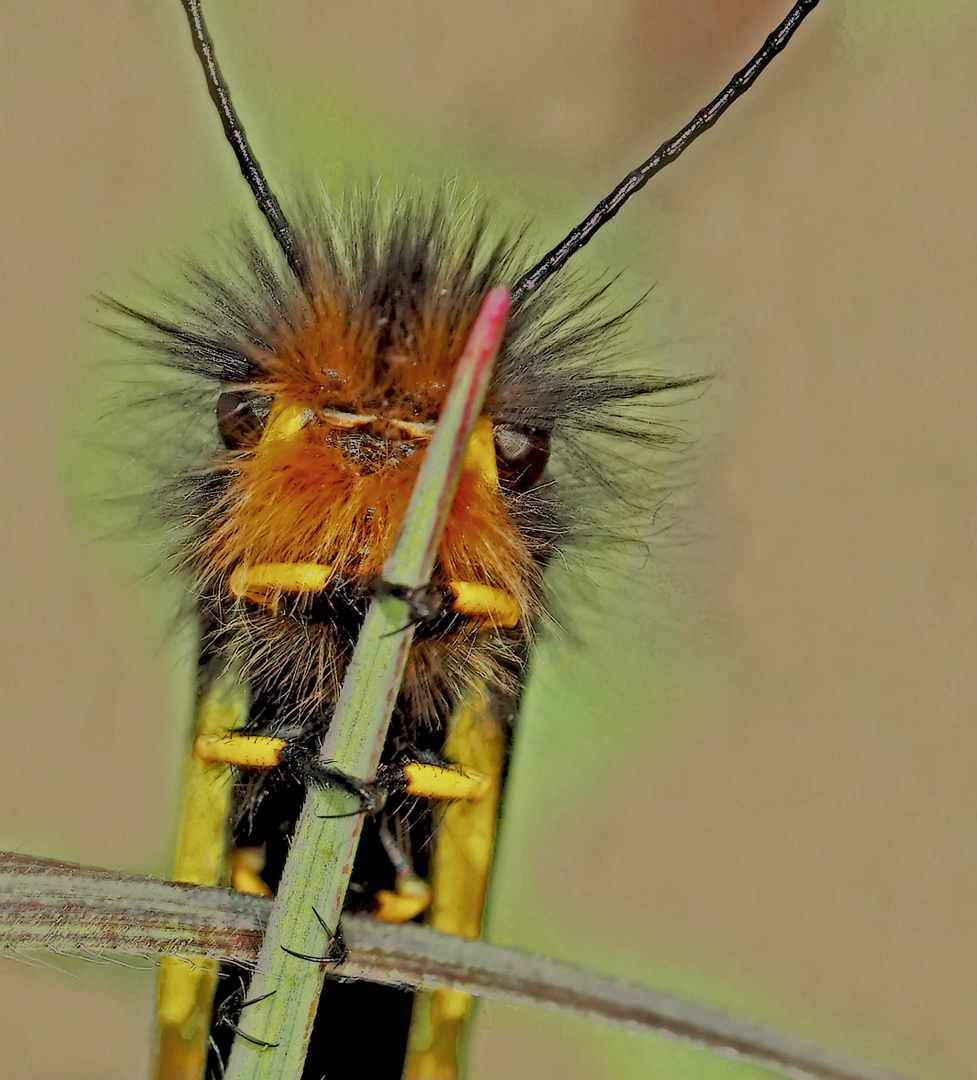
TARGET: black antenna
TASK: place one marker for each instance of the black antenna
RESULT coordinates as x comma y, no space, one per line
664,155
234,133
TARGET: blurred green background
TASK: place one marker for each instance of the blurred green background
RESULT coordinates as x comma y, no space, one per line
748,778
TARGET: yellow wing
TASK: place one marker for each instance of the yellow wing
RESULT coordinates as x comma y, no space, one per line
464,842
186,989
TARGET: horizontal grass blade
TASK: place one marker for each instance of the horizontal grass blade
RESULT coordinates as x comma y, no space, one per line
75,910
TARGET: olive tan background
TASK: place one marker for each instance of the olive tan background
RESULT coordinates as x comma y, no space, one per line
748,774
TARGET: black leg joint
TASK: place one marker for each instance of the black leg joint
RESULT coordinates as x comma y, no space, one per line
337,951
426,603
304,763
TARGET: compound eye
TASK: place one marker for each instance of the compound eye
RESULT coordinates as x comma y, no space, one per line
241,417
522,454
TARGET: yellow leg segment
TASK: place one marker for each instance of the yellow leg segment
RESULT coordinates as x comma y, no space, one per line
495,607
412,896
186,989
284,422
459,876
264,581
480,454
437,782
244,751
246,864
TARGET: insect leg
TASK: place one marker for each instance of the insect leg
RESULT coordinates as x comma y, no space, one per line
337,951
435,781
473,600
267,752
410,895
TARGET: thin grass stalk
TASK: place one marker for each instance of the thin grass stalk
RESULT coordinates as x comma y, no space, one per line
80,911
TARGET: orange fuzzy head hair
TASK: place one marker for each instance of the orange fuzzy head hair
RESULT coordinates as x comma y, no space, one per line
327,391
